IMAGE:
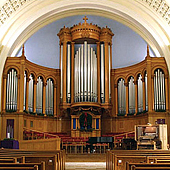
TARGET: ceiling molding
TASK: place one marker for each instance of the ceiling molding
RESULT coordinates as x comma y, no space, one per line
161,7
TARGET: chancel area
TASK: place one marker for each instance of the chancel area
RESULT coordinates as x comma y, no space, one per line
86,106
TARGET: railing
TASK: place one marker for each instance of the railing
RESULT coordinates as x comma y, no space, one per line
30,134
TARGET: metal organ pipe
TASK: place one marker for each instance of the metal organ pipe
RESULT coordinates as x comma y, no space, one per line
159,90
61,97
85,71
11,99
102,73
91,65
89,73
82,73
68,73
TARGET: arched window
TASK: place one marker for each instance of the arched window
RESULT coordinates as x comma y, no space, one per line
131,96
140,94
31,93
11,95
121,97
159,90
39,96
49,109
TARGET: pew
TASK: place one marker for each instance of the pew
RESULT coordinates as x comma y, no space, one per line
155,166
53,159
23,166
116,159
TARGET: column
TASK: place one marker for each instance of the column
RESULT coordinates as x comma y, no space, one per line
18,94
136,96
152,88
98,72
149,84
55,100
72,72
127,97
21,88
34,96
106,73
144,93
4,93
64,71
27,93
116,98
44,97
166,93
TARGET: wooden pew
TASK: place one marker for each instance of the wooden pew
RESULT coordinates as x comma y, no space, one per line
130,166
59,156
112,157
23,166
8,160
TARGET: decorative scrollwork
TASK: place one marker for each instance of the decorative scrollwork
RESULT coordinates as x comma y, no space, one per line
9,8
161,7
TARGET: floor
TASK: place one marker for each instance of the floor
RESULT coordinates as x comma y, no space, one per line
86,162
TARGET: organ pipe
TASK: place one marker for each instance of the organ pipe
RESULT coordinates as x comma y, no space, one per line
11,99
159,90
85,71
68,73
102,73
61,61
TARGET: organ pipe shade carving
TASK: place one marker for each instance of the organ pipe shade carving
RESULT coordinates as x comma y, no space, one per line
12,85
159,90
121,97
49,97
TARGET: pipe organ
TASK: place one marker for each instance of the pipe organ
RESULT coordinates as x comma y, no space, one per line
159,90
131,96
140,94
86,85
11,95
85,71
121,97
31,93
85,64
49,97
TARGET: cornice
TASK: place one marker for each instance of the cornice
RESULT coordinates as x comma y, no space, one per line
11,6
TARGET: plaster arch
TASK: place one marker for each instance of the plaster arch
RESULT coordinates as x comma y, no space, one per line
36,14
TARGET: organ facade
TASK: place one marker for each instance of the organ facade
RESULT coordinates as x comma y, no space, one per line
85,97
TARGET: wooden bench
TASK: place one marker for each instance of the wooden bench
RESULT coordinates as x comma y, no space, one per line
122,156
53,159
23,166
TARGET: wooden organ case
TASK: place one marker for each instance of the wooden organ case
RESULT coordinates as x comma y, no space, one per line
85,63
